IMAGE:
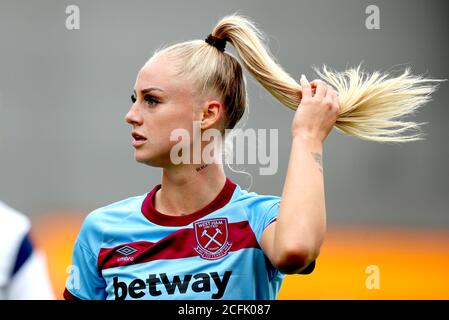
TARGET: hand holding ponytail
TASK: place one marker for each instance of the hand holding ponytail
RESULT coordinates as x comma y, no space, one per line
370,103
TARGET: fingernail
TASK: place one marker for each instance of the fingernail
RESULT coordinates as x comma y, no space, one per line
303,77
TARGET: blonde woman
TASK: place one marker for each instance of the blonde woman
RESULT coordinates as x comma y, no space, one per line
197,234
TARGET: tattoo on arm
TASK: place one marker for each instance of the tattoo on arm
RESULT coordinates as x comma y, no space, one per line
319,159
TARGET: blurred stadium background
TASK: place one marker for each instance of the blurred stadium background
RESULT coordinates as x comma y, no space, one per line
65,147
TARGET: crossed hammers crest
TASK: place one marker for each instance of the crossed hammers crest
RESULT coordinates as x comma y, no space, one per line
212,238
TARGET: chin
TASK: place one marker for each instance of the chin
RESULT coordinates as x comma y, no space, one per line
150,160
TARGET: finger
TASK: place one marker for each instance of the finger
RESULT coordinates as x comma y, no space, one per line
336,101
329,93
330,96
321,90
306,88
313,84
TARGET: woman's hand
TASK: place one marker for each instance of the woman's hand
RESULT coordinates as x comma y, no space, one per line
317,113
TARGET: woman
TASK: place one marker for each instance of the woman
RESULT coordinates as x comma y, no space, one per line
197,234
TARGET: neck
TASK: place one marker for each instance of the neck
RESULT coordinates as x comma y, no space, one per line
188,188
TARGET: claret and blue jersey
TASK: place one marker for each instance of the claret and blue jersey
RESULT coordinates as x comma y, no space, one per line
129,250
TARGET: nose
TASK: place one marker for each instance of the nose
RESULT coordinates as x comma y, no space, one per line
133,116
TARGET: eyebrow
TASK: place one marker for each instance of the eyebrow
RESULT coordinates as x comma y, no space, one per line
147,90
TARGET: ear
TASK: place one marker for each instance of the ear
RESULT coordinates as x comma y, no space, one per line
212,114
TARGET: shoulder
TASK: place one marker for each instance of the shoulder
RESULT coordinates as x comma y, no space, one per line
12,221
259,209
254,201
116,211
104,219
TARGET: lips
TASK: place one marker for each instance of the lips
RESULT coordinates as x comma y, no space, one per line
137,136
138,139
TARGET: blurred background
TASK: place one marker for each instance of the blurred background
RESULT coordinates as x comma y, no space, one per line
65,148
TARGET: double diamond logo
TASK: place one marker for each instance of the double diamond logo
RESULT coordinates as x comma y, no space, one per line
126,250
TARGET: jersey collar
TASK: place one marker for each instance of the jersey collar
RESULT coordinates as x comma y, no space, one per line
150,212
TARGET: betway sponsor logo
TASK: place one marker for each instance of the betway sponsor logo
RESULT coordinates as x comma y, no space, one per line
160,284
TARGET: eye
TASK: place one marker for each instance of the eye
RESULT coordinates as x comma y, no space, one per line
150,99
133,98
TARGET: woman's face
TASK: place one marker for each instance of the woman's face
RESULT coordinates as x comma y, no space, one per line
162,103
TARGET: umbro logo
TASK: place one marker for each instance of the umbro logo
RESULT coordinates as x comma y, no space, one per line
126,250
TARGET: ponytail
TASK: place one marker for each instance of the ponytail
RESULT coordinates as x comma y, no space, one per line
370,103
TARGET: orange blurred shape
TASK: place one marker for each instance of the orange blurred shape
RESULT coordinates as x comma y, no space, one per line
356,262
409,263
55,233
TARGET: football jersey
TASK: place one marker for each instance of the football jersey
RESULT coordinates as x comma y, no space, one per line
23,269
129,250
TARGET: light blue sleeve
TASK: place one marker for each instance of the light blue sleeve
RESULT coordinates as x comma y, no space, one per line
263,211
85,281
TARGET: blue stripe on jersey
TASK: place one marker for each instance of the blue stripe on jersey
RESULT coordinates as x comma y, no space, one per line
25,251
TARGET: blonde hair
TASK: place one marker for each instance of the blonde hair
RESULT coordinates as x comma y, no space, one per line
370,103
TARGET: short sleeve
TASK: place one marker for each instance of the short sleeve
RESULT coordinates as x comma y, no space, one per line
85,281
263,212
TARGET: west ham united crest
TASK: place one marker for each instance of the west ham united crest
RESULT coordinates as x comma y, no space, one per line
212,238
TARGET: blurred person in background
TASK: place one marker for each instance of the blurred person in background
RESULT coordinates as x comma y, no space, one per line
23,269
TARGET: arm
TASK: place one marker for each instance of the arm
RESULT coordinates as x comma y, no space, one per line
294,240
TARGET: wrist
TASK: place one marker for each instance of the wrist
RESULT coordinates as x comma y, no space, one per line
309,140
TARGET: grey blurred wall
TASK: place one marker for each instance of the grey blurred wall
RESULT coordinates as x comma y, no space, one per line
64,143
